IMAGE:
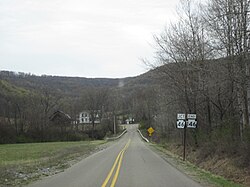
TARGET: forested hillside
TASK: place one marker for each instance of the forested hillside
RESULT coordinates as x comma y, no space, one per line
70,86
27,102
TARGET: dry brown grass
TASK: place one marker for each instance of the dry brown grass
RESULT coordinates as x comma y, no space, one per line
217,162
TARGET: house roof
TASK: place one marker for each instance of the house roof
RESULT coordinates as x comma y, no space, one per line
59,114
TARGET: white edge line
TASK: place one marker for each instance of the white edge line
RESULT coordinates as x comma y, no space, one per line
115,138
143,136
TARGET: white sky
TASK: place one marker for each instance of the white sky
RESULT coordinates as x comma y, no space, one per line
86,38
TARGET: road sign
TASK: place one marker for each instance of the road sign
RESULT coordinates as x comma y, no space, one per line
181,116
150,131
191,116
181,124
191,121
181,121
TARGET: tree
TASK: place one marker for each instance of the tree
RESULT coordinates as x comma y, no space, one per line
229,24
94,100
48,103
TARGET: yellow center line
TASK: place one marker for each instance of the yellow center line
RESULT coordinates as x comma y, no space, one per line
111,171
119,166
117,171
119,157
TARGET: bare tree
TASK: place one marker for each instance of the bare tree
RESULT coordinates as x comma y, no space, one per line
184,46
95,102
229,24
48,102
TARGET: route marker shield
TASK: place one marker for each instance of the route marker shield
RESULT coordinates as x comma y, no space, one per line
181,121
191,121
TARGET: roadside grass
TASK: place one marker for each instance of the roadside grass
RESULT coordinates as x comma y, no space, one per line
22,163
204,177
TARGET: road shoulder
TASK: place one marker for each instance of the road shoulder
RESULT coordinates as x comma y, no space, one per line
201,176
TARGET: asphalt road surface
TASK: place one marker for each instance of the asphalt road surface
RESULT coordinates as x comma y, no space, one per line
129,162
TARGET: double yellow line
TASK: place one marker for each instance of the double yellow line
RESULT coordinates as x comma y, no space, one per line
119,161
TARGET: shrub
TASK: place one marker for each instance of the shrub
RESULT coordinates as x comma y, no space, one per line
7,134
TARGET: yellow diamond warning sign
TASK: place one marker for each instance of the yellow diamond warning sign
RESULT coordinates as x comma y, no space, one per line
150,131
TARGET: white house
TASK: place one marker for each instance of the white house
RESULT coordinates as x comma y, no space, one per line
85,118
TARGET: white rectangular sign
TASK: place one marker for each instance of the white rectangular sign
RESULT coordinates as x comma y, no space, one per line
181,116
191,116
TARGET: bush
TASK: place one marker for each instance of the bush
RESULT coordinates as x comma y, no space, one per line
143,125
77,136
7,134
24,139
98,134
245,150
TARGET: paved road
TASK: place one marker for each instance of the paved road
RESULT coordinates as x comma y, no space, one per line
133,164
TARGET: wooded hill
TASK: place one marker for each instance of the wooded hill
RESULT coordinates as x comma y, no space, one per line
70,86
28,100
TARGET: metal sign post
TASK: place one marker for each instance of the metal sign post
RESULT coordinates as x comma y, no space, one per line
184,142
183,123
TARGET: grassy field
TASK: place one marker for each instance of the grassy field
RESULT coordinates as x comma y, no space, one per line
22,163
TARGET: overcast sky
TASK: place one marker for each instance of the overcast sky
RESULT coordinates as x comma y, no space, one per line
86,38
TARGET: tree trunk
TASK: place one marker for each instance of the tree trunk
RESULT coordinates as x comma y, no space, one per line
209,117
245,109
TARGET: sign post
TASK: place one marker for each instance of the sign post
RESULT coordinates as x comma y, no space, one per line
184,142
183,123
